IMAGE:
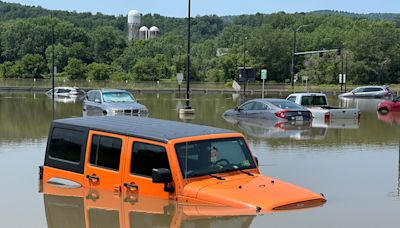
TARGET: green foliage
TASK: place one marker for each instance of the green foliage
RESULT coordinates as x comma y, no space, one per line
371,47
60,57
33,66
99,71
76,69
107,44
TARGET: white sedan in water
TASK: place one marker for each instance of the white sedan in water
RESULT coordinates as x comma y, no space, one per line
66,91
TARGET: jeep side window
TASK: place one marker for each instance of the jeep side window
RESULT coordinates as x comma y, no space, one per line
145,157
66,144
105,152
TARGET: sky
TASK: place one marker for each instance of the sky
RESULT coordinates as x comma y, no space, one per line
178,8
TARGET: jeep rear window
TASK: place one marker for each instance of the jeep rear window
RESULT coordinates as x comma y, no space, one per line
66,144
199,158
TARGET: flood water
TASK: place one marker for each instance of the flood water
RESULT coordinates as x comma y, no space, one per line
355,164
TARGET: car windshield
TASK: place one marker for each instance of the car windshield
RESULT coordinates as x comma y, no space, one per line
286,105
207,157
313,100
118,97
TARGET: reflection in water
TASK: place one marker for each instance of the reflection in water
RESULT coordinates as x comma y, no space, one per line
392,118
349,165
71,208
364,104
67,99
271,129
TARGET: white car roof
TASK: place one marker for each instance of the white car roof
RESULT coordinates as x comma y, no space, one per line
307,94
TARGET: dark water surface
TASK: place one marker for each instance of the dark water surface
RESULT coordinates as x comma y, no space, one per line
356,165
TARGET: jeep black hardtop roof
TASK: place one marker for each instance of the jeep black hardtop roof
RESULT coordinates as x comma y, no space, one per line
141,127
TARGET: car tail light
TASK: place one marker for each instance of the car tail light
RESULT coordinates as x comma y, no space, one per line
281,114
327,117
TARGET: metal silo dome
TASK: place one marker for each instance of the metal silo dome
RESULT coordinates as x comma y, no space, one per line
154,29
154,32
134,17
143,33
143,28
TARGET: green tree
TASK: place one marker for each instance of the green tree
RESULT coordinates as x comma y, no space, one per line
33,65
60,57
99,71
76,69
108,44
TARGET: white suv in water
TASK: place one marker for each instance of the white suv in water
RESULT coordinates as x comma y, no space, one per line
111,102
369,91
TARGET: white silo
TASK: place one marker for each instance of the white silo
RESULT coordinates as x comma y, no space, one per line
143,33
134,20
154,32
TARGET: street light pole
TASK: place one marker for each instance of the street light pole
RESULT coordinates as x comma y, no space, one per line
188,62
292,71
52,66
293,56
244,65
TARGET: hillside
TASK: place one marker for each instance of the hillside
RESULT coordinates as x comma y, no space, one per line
95,46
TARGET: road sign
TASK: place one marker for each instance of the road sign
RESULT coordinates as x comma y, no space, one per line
264,73
342,78
236,86
179,77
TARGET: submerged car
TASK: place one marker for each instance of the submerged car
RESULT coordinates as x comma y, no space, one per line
369,91
273,109
192,164
112,102
392,106
66,91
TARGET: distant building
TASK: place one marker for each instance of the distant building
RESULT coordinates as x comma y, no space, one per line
134,21
136,31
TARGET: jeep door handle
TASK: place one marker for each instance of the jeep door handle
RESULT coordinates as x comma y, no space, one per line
93,178
131,186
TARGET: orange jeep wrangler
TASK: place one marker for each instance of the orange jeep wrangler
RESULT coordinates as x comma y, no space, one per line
190,163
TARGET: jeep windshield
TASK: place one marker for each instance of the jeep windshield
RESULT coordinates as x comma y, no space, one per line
113,97
207,157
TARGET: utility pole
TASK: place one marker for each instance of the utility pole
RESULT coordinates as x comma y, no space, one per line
188,63
341,55
52,65
293,59
244,65
292,70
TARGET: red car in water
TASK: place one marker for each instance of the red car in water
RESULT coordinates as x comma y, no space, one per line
390,106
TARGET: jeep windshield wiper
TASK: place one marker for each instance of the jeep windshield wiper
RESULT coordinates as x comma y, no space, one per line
236,168
216,177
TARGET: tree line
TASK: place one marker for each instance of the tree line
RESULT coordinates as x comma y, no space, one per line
95,46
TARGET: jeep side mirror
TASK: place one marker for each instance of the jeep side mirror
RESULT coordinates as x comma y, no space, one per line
163,176
256,159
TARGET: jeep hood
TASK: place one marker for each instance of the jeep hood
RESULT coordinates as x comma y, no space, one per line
259,193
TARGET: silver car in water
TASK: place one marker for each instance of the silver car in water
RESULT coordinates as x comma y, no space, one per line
272,109
369,91
111,102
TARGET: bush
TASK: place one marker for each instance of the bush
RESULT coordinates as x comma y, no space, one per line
99,71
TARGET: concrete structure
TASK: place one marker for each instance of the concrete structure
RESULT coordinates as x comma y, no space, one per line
134,21
154,32
143,33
